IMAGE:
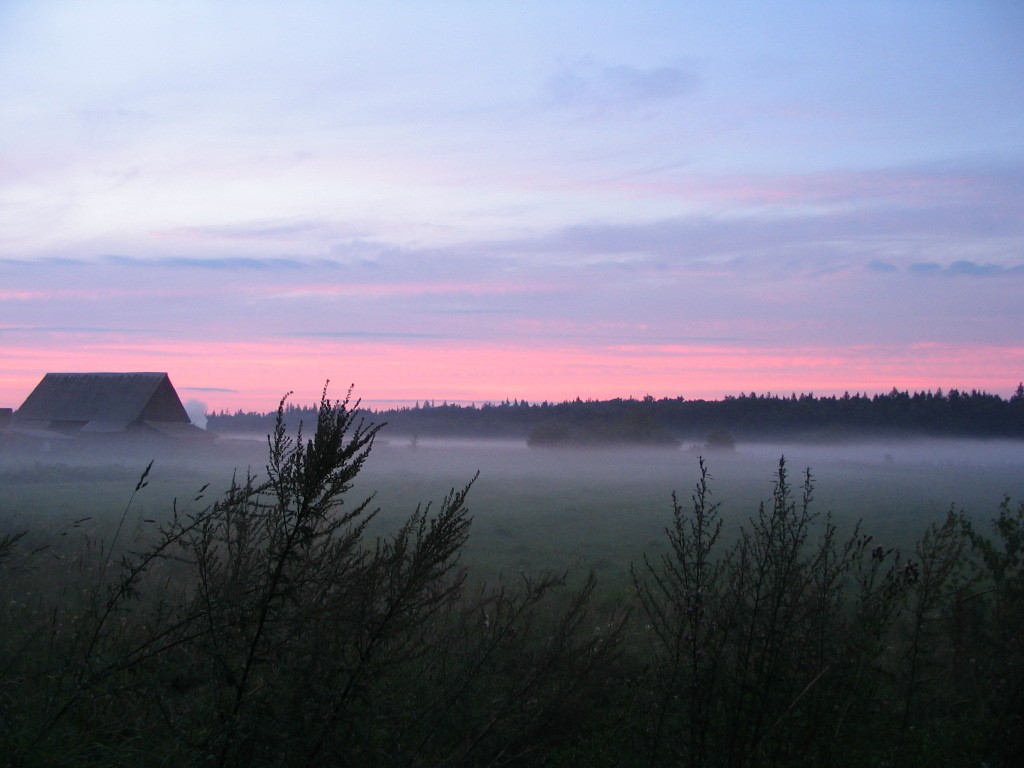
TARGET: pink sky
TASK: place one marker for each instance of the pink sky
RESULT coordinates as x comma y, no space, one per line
522,200
254,376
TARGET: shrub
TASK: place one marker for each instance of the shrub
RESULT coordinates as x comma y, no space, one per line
762,650
988,629
266,629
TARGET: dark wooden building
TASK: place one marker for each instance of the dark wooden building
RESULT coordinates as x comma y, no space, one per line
70,405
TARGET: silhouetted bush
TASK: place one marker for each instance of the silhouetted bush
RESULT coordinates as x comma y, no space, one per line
266,630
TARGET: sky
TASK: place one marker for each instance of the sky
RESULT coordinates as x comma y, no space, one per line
474,201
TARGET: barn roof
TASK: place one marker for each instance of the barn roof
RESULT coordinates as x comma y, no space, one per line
103,402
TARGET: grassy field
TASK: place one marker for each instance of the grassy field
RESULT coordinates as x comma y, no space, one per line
604,509
536,509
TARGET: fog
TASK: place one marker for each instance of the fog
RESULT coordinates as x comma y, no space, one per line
539,508
515,455
605,508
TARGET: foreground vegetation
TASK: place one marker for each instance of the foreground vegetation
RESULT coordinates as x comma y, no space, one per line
272,628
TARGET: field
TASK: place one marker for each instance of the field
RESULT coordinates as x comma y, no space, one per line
537,509
603,509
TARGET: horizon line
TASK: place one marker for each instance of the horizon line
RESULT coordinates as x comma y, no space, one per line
399,403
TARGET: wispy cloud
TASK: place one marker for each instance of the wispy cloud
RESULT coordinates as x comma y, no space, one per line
207,263
975,269
73,330
597,87
966,268
811,240
249,231
93,292
909,187
372,335
882,267
398,289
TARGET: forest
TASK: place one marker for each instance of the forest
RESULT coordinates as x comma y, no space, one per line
668,421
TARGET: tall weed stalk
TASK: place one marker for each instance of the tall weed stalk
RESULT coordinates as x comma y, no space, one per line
268,628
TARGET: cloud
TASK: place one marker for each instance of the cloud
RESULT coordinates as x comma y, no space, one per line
975,269
50,261
370,335
877,265
966,268
476,311
398,289
594,87
101,127
878,237
251,231
212,263
72,329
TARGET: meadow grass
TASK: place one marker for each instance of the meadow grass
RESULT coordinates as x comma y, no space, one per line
542,509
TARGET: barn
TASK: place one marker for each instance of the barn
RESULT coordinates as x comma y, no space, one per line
78,405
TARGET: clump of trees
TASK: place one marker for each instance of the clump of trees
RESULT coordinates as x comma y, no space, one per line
268,628
626,428
720,440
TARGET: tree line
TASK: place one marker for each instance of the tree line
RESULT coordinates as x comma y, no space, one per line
953,413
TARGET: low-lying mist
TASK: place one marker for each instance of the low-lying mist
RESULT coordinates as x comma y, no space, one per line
553,507
604,506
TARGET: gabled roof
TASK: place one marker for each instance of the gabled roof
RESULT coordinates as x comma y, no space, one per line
103,402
